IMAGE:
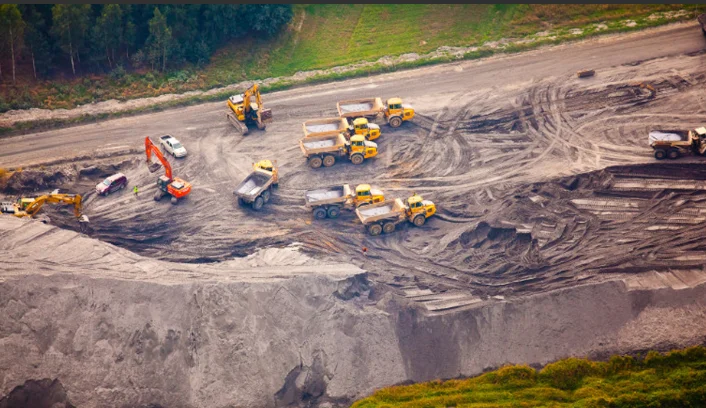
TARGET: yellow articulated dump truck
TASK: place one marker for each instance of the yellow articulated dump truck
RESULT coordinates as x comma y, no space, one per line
332,126
323,150
394,111
384,217
329,201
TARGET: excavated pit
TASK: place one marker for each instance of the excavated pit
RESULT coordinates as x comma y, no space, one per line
557,234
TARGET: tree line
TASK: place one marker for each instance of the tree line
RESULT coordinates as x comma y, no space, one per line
102,37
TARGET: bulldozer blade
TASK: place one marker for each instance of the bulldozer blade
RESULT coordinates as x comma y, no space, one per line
152,167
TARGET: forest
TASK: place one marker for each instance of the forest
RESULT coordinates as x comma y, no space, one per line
43,40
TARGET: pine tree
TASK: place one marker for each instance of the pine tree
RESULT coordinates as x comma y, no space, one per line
70,24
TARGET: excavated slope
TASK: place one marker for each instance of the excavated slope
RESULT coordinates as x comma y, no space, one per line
117,329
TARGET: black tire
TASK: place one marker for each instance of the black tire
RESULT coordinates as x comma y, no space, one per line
158,196
315,162
375,229
419,220
319,213
703,31
660,154
266,195
174,200
357,159
388,227
329,160
673,154
333,211
241,202
258,203
395,121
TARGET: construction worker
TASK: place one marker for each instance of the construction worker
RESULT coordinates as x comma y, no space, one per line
134,190
365,251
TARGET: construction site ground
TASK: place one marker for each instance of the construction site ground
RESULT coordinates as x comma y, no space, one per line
542,180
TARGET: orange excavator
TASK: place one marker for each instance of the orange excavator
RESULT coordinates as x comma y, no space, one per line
166,184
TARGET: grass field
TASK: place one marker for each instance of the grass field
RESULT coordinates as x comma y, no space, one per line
323,36
675,379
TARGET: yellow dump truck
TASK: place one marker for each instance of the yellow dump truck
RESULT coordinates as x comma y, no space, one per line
384,217
323,150
333,126
329,201
394,111
674,143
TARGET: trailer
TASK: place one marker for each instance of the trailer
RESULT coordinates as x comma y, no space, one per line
255,189
325,127
329,201
384,217
323,150
394,111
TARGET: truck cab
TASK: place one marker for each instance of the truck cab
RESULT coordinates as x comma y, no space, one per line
358,145
418,209
267,165
396,112
361,126
364,195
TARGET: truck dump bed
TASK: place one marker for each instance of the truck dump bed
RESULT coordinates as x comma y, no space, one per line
381,211
667,136
253,184
360,107
324,127
328,195
322,144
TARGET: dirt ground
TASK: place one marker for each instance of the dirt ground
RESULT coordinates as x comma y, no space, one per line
494,159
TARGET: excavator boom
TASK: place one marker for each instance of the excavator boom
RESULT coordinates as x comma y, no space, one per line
150,149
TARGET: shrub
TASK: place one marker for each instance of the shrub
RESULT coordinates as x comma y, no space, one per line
567,374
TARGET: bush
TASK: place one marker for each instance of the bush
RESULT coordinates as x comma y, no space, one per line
117,73
517,375
567,374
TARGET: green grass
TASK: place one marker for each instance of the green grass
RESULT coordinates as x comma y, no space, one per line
674,379
324,36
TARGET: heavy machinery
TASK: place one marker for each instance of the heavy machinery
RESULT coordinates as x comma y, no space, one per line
384,217
166,184
29,207
674,143
394,111
245,112
334,126
256,189
328,201
322,150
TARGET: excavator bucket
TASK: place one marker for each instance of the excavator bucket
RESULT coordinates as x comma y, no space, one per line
266,115
83,219
153,167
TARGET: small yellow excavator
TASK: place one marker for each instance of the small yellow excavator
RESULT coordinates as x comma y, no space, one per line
29,207
245,112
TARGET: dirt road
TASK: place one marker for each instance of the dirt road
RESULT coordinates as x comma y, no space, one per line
488,143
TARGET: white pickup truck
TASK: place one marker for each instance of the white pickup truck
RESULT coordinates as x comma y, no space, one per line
172,146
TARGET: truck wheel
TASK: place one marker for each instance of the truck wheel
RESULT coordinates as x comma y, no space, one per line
395,121
388,227
157,196
315,162
357,158
266,195
329,160
375,229
419,220
174,201
258,203
333,211
241,202
319,213
673,154
660,154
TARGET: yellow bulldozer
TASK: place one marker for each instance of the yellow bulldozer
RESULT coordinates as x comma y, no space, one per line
244,112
